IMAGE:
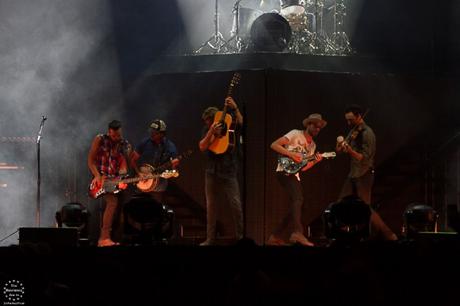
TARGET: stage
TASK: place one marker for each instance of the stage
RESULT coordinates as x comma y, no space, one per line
87,64
416,272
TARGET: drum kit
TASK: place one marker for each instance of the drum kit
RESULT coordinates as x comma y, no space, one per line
295,26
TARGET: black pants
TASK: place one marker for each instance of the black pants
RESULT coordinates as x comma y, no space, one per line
362,187
359,186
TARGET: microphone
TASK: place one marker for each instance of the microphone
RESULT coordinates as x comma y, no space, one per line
341,143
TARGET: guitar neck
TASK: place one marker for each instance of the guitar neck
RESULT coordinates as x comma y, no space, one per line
137,179
310,158
235,79
168,164
163,167
224,113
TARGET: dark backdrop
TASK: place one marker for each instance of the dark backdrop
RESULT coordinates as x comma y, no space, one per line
401,109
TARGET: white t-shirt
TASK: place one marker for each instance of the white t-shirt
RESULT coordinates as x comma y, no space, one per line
298,143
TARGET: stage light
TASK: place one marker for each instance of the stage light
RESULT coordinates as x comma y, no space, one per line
73,215
147,221
347,221
419,218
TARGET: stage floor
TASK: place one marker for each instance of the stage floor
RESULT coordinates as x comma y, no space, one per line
405,272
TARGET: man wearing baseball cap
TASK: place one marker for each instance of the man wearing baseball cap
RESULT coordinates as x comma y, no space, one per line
155,150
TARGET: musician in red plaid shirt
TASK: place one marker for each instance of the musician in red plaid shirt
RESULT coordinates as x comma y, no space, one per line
108,158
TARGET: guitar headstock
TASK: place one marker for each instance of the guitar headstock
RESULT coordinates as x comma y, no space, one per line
169,173
328,154
235,80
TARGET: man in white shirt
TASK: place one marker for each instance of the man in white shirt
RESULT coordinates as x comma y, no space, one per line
297,145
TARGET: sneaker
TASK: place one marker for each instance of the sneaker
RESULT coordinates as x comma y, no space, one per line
275,241
107,243
208,242
299,238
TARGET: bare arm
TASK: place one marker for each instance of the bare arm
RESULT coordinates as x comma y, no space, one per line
346,148
229,102
92,156
123,166
278,146
208,139
318,158
133,161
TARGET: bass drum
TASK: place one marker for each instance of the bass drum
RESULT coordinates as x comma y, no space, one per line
270,32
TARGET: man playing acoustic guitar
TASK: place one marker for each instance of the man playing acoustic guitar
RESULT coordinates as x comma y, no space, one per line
297,145
107,159
221,169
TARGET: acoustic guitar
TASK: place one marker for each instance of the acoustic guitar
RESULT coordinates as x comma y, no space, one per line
226,140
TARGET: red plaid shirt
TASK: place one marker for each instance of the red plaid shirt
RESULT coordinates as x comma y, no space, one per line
110,156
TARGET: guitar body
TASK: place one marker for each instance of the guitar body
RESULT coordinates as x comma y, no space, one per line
147,185
291,167
108,186
227,139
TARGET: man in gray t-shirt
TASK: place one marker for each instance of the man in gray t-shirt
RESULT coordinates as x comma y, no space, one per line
360,145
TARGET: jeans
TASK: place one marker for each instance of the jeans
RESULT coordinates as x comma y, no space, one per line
111,204
362,187
215,186
293,216
359,186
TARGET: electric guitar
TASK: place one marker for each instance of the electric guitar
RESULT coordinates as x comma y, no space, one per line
146,183
113,185
291,167
227,138
149,181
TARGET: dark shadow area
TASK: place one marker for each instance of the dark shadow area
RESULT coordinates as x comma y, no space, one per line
403,110
143,31
244,274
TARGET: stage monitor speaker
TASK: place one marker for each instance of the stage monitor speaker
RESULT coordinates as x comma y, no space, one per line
54,237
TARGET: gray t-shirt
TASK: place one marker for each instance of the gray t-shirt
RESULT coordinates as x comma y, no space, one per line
365,144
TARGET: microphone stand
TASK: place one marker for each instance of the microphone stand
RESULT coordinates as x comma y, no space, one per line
236,28
216,42
37,213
